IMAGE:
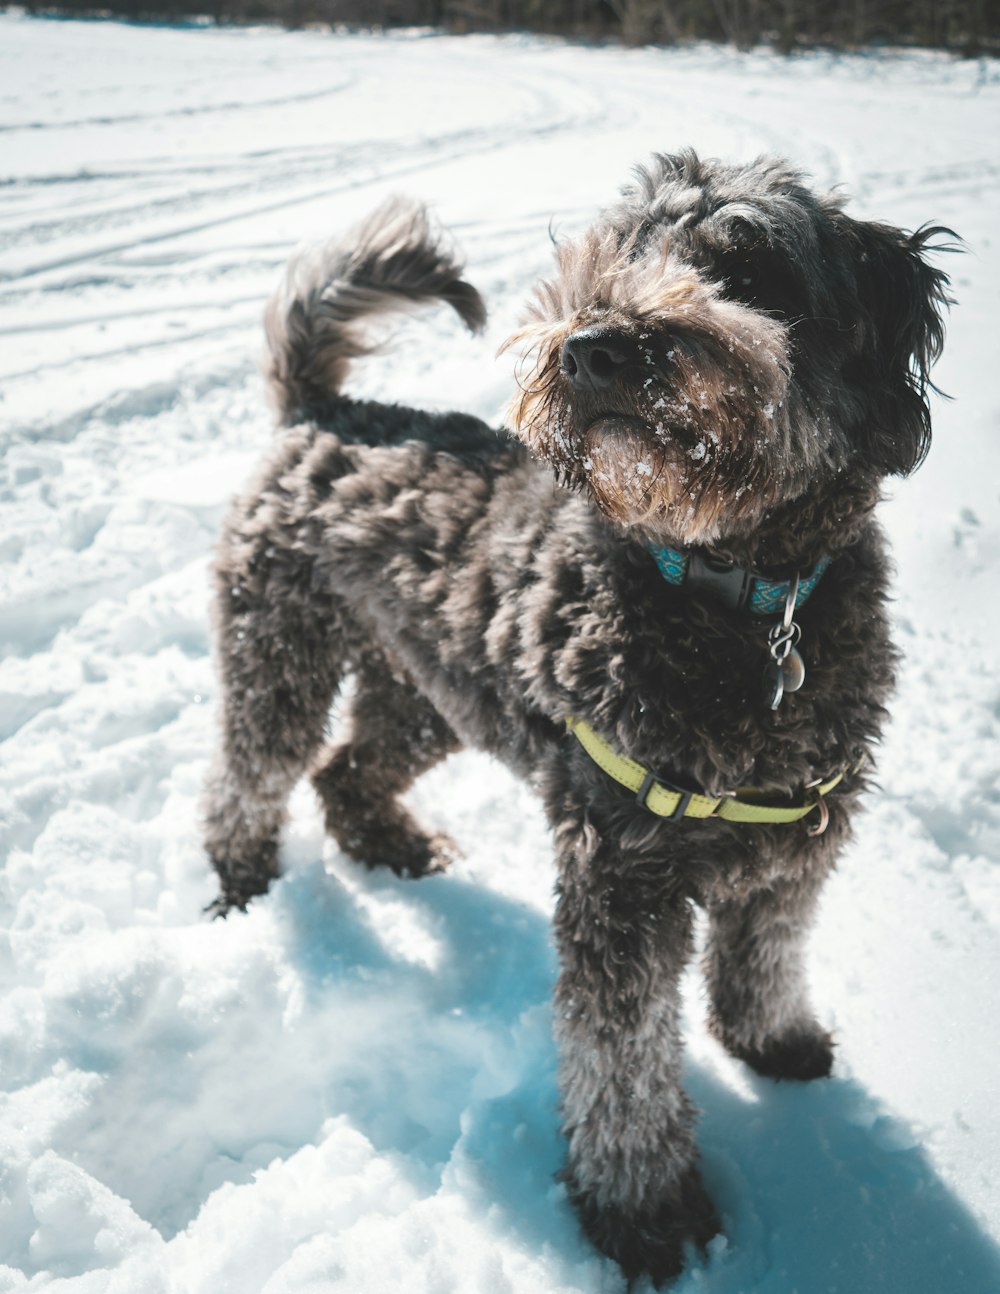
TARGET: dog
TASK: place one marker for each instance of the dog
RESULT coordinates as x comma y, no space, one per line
661,600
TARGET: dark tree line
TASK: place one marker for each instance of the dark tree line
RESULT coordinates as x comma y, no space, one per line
970,26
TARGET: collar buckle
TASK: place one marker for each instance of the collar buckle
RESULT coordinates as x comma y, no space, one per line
732,585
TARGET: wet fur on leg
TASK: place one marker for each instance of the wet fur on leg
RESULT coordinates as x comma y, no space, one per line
726,360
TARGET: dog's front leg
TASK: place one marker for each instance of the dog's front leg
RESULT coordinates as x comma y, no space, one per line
624,938
754,968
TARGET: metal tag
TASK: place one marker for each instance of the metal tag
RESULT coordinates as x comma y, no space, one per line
793,671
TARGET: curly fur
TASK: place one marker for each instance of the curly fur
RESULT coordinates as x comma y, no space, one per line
770,360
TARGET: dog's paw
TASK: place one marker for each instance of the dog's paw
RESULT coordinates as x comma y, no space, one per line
650,1241
800,1056
237,886
415,854
221,907
441,853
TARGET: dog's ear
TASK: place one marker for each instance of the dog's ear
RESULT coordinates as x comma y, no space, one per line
902,298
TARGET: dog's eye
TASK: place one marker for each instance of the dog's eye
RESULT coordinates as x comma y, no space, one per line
742,282
761,280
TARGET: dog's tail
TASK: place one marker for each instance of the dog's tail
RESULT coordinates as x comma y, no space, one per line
316,320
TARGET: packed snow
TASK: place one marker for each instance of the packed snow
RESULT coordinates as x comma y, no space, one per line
352,1087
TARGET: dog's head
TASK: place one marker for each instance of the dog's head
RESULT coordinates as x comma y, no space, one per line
722,340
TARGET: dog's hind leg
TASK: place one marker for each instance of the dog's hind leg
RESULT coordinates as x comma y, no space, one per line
395,734
280,646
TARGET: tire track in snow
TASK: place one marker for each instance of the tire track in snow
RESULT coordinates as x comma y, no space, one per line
193,110
454,149
543,115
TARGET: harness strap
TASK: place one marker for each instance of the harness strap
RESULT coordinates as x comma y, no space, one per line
667,801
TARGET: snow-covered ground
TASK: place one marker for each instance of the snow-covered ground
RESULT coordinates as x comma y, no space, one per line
351,1088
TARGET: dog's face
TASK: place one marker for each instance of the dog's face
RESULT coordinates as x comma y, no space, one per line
723,339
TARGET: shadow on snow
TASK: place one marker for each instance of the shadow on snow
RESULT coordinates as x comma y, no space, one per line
819,1188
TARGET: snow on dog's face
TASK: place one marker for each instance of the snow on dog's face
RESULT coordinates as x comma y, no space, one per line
721,340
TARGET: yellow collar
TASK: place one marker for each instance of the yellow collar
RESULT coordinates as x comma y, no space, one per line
666,801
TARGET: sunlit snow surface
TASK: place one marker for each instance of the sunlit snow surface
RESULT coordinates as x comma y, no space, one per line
352,1087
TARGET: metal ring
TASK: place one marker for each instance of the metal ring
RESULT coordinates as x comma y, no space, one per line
791,600
818,828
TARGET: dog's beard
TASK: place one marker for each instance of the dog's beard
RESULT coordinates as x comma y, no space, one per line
669,492
642,485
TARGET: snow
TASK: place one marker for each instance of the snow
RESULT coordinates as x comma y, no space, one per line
352,1087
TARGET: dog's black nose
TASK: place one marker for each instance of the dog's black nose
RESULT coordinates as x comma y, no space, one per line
593,358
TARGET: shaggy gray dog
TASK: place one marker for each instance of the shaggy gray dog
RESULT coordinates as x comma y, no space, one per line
669,588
